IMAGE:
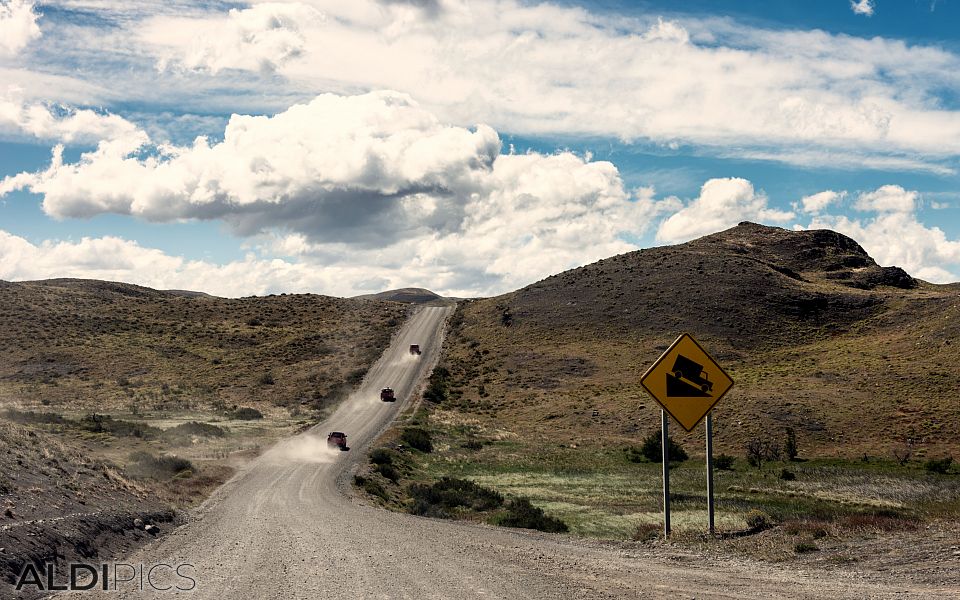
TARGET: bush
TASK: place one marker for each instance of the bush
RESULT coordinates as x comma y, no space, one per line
804,547
184,433
449,494
144,464
382,456
388,471
417,438
436,391
651,450
724,462
758,520
266,379
939,465
787,475
245,414
106,424
521,513
472,445
790,447
372,487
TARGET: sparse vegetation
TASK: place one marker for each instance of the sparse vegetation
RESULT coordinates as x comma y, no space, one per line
939,465
143,465
723,462
651,450
245,414
448,495
417,438
757,520
790,447
521,513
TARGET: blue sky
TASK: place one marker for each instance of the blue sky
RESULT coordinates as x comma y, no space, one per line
471,148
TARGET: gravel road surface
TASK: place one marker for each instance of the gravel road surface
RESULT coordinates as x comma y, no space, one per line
286,527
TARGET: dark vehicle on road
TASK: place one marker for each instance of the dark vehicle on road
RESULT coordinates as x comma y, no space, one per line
684,368
387,395
337,439
415,349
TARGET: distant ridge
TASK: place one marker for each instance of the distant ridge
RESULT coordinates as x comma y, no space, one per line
406,295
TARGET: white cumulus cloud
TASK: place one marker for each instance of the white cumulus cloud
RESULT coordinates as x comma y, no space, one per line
894,235
259,38
722,203
862,7
371,184
888,198
816,203
53,122
544,68
18,26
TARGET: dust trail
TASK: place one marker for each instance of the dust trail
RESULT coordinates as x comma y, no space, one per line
305,448
404,360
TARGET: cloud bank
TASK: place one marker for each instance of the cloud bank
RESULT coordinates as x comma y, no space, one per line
18,26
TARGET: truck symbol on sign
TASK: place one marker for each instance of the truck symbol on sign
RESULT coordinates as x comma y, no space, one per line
687,379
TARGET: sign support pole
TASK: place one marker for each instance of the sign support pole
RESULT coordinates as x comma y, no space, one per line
666,473
710,469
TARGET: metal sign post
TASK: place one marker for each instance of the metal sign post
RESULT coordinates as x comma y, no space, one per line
687,383
666,473
710,469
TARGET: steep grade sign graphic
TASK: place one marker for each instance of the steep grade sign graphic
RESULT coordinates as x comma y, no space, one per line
686,381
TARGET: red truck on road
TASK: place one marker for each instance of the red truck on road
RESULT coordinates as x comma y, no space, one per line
337,439
415,349
387,395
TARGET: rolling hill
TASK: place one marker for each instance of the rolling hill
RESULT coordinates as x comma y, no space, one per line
857,358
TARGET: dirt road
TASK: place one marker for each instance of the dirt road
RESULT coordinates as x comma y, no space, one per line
286,527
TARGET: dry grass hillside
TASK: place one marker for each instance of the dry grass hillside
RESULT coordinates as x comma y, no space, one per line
857,358
79,345
119,402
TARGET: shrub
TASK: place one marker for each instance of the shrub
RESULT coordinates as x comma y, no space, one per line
438,499
804,547
144,464
759,451
758,520
97,423
651,449
939,465
372,487
472,445
388,471
266,379
787,475
436,391
184,433
521,513
382,456
356,376
646,532
790,444
245,413
724,462
417,438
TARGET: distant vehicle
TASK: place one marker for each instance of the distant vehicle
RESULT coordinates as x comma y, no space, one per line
415,349
387,395
684,368
337,439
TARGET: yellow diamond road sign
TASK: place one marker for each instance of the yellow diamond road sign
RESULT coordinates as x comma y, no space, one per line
686,382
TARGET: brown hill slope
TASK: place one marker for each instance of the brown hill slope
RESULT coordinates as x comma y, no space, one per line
858,358
408,295
79,345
